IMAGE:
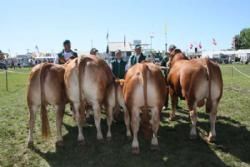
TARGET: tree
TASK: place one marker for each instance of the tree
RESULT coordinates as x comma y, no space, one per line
245,38
242,40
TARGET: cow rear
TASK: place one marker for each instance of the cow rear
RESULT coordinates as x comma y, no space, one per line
144,95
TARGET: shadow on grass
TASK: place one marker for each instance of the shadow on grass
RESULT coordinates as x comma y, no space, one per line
175,147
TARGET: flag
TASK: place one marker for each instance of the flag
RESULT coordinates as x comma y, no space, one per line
107,36
107,49
191,46
200,46
214,42
37,49
124,42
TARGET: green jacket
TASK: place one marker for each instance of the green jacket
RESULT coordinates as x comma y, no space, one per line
118,69
60,55
133,59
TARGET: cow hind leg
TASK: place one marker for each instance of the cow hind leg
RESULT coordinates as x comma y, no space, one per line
77,110
109,121
193,117
97,116
174,101
135,128
32,117
127,122
59,119
155,121
212,116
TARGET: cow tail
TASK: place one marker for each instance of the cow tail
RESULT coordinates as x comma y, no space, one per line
44,114
117,106
209,99
81,69
146,126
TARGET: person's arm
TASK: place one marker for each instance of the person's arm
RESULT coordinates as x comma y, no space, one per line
163,62
61,59
128,64
74,55
111,65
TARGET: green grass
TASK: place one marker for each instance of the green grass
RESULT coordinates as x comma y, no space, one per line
232,147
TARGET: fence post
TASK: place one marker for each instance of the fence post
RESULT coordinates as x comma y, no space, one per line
6,79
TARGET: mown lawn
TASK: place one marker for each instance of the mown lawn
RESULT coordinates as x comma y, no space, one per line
232,147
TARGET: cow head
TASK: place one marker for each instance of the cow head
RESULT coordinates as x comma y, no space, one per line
174,56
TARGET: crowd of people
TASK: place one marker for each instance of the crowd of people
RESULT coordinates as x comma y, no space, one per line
117,64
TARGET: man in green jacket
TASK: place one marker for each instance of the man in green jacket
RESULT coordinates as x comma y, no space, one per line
118,65
136,58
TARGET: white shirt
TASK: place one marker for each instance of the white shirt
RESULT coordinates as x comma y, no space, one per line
129,61
67,55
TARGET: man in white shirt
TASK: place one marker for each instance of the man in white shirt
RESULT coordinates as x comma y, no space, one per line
66,53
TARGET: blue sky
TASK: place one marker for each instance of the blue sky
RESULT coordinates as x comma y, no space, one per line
47,23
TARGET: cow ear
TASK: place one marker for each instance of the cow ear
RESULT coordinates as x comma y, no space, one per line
120,81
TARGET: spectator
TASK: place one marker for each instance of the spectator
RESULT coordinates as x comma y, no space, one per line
137,58
93,51
118,65
66,53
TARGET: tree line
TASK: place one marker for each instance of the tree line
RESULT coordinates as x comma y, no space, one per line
242,40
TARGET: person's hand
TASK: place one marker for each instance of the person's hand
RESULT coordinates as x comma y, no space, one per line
62,60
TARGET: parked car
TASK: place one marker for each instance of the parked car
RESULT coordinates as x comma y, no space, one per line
3,66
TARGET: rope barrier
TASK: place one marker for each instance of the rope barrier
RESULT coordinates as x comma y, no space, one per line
17,72
241,72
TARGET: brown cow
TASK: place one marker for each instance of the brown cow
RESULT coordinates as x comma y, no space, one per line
89,81
144,93
46,86
195,80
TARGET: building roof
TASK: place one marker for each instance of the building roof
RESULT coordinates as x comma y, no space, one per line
114,46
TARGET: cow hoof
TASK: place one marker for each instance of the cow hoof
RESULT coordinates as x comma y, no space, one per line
59,143
81,142
192,137
155,147
109,138
99,137
129,137
30,144
211,139
135,150
171,118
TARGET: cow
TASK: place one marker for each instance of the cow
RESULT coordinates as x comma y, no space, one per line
89,82
46,86
144,95
199,82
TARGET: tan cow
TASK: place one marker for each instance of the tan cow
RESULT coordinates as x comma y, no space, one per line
46,86
144,94
196,80
89,81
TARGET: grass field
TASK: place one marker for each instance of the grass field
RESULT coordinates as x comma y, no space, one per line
232,147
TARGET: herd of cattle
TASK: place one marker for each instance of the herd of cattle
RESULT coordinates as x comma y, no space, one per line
88,81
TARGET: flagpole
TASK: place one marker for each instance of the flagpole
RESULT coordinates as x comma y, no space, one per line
166,45
125,45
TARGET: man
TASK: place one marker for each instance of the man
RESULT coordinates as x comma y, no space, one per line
118,65
165,59
66,53
93,51
137,58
